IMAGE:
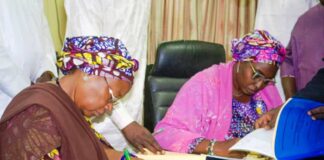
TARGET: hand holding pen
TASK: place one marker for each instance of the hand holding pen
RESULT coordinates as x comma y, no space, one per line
146,151
141,138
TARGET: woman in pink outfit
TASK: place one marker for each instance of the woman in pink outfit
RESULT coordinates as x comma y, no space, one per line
220,104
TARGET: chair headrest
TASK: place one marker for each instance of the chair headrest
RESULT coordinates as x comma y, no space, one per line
183,59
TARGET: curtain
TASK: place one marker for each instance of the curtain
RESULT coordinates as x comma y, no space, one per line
217,21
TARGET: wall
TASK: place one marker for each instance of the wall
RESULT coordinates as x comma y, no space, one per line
55,13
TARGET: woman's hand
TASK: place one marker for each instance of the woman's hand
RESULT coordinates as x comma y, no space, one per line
267,120
141,138
317,113
46,76
221,148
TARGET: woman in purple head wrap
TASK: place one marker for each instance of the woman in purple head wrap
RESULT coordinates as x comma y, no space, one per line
220,104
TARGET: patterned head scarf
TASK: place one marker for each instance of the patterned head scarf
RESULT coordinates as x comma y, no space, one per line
101,56
258,46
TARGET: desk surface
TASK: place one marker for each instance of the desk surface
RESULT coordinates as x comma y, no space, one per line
180,156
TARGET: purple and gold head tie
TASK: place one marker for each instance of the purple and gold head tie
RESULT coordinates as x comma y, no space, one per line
258,46
101,56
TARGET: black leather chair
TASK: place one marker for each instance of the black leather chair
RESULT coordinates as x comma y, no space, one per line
175,63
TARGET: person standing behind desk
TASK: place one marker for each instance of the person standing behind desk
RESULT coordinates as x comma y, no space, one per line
221,103
27,52
305,51
126,20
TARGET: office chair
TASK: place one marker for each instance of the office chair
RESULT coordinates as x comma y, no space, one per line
175,63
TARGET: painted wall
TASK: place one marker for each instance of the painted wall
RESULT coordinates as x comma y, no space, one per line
55,13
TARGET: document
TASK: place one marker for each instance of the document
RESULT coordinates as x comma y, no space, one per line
259,141
172,156
181,156
295,136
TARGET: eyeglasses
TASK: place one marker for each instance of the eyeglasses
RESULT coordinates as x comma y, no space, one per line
257,76
114,100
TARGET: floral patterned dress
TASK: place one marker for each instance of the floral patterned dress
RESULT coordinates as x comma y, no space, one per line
244,116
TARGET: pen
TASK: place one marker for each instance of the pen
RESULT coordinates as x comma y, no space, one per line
126,154
129,154
157,132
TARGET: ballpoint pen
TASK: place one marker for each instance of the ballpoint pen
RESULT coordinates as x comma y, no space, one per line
126,154
158,131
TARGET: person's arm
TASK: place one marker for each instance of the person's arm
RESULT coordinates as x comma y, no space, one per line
13,79
118,112
46,76
47,69
220,148
141,138
289,86
180,139
43,138
136,134
287,72
186,119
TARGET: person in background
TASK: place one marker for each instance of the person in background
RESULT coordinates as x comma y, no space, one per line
219,105
314,90
305,51
27,52
52,120
272,15
126,20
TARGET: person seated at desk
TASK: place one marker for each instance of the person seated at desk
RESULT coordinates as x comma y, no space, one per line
314,90
51,120
220,104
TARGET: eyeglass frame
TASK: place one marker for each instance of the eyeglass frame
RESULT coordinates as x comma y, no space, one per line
257,76
114,100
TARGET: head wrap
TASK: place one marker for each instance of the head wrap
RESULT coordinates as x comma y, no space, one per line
101,56
258,46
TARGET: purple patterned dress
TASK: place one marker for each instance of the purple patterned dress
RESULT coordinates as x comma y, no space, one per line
243,119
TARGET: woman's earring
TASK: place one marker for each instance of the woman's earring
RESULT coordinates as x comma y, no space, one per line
238,67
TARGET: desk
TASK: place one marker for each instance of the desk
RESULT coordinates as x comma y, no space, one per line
181,156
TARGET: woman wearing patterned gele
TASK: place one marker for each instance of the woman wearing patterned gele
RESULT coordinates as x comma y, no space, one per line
50,120
220,104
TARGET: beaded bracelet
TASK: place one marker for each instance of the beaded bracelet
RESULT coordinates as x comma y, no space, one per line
211,147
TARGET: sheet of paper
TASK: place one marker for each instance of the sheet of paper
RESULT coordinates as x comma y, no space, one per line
220,158
181,156
259,141
172,156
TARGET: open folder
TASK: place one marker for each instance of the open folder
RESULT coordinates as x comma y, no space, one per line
296,135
